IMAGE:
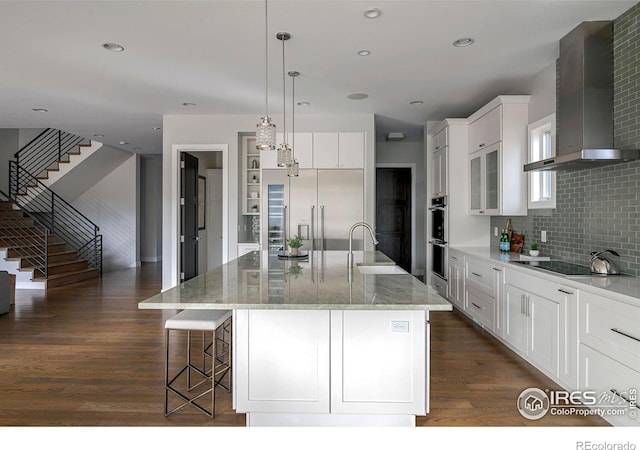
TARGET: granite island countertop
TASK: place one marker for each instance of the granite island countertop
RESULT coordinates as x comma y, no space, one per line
261,280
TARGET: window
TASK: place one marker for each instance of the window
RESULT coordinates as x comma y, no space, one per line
542,145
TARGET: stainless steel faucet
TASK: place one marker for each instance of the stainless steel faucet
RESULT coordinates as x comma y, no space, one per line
353,227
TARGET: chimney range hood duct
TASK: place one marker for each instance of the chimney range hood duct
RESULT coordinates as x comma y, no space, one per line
585,107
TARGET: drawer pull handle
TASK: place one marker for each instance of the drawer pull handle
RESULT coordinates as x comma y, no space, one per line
477,274
633,404
497,270
453,257
477,306
615,330
565,292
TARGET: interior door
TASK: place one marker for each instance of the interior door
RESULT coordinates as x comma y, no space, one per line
393,214
341,204
188,216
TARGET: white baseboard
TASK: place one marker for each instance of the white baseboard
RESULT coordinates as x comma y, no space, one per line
150,259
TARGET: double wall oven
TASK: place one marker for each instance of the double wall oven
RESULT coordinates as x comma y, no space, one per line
438,244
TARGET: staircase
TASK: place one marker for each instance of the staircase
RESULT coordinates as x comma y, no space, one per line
23,253
44,240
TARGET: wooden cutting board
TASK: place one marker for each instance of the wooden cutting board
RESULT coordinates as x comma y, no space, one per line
517,241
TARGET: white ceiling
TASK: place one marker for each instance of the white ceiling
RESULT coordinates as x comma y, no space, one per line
212,53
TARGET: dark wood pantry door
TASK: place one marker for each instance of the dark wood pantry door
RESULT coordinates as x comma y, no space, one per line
188,216
393,214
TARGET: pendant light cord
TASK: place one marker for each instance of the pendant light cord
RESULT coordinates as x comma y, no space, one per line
284,97
293,119
266,61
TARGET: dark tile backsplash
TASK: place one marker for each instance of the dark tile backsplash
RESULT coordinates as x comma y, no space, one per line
599,208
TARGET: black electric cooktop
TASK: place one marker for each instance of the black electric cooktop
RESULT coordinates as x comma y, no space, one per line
560,267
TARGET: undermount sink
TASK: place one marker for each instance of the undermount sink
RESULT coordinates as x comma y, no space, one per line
381,270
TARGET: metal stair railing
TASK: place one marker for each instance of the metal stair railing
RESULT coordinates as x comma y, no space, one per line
46,150
56,214
32,247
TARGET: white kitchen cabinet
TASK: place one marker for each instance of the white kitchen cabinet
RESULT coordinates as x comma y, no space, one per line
482,293
440,140
486,130
378,362
331,362
296,343
485,181
497,154
439,173
609,348
612,381
456,279
536,324
303,151
343,150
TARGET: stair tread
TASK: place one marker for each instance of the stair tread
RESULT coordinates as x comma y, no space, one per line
18,258
68,274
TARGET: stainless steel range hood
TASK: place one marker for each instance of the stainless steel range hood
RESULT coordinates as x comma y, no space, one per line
585,106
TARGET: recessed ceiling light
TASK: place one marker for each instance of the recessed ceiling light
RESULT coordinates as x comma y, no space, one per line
372,13
357,96
156,128
40,110
463,42
416,102
364,52
124,143
112,46
303,103
189,104
98,135
137,148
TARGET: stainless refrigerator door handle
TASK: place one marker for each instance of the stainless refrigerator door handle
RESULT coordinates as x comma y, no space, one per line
284,225
322,225
313,210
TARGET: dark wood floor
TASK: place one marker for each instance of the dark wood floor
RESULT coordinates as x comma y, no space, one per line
85,355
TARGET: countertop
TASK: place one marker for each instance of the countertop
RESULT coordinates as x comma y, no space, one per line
261,280
622,287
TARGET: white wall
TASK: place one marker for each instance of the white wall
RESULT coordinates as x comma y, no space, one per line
151,208
542,88
410,152
223,129
113,204
27,135
9,145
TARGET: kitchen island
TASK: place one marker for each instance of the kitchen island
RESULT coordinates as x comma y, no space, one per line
315,343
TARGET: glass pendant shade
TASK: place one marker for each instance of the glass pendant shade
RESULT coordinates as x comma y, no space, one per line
266,134
293,169
284,155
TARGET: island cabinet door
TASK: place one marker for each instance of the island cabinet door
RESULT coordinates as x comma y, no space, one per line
379,362
281,361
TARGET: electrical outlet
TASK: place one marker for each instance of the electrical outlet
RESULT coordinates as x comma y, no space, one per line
495,231
399,326
543,236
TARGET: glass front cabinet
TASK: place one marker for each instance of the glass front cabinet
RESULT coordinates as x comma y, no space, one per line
485,181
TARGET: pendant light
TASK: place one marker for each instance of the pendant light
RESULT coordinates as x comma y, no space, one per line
284,152
266,129
293,169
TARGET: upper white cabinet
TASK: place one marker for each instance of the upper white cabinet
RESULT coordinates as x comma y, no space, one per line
486,130
497,153
344,150
439,164
440,140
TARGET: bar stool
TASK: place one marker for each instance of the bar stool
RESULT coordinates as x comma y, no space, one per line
218,322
